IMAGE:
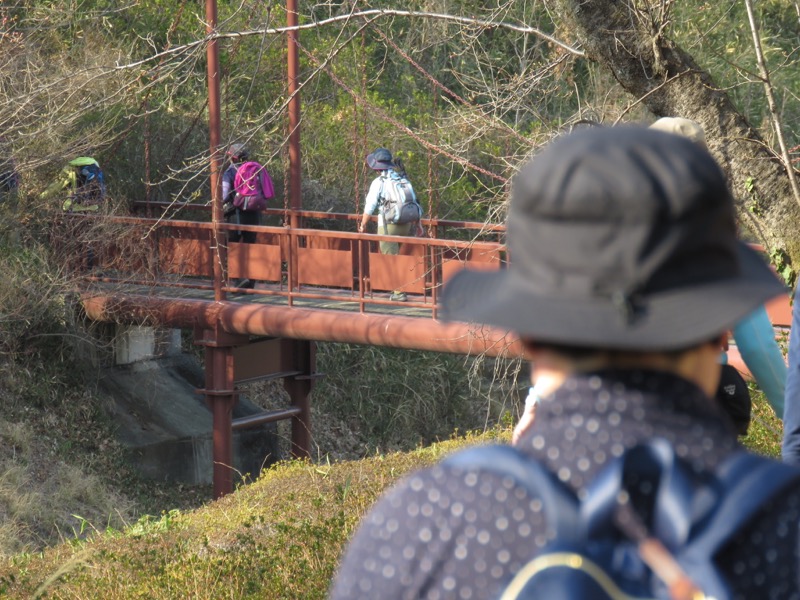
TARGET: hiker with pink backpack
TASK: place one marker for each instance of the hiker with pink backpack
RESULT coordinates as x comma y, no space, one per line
246,187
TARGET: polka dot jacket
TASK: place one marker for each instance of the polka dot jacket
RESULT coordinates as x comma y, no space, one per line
446,534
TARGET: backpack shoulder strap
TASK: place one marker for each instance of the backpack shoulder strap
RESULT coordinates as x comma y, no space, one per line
559,503
746,482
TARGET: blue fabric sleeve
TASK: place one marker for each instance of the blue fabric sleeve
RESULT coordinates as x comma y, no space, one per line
755,339
373,196
791,413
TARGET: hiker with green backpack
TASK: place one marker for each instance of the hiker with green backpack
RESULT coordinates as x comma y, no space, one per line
625,276
400,211
83,181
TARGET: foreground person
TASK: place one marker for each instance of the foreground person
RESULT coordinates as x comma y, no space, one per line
626,273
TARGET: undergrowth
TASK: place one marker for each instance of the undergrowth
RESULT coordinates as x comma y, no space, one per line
392,399
279,537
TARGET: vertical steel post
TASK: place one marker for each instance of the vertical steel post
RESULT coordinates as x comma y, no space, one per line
221,398
219,247
147,194
295,196
219,361
302,355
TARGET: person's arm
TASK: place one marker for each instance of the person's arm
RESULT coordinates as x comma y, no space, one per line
420,538
545,383
227,185
370,203
66,179
790,450
528,415
362,225
755,340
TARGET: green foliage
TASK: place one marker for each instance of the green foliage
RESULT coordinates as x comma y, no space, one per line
766,429
462,105
753,198
780,260
718,36
32,299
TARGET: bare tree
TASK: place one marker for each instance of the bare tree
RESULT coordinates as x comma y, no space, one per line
628,38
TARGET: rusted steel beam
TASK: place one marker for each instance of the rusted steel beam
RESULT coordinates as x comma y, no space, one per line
293,88
221,398
301,354
265,417
312,214
306,324
215,139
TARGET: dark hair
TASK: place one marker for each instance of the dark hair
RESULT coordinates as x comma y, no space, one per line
581,353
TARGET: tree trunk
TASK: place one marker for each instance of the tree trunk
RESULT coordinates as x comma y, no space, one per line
624,39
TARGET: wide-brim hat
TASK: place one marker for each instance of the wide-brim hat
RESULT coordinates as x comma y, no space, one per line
380,160
618,238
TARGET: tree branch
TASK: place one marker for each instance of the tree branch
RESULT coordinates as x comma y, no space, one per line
371,13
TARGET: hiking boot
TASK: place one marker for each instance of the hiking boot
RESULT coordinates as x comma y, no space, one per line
246,284
398,297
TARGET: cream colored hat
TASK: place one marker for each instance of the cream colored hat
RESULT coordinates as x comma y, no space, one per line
680,126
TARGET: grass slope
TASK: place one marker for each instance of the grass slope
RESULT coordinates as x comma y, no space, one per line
279,537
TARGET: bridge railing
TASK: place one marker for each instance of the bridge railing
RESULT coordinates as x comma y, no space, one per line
324,267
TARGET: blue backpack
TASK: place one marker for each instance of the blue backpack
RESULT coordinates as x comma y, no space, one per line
91,185
603,549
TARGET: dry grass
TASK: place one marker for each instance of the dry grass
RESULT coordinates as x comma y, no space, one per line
44,499
279,537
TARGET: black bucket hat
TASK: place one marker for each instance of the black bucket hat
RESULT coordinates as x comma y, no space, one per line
380,160
619,238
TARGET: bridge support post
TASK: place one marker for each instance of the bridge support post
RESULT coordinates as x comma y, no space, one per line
303,358
221,397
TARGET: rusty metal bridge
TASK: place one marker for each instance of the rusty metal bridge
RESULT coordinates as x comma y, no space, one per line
320,284
317,281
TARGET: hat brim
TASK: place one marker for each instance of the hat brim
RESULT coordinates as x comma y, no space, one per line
379,165
669,320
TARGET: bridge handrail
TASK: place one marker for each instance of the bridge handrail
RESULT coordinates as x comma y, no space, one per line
311,214
346,268
283,230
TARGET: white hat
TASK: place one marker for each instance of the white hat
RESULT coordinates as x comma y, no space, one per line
680,126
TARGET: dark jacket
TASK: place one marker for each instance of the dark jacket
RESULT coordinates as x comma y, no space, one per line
443,534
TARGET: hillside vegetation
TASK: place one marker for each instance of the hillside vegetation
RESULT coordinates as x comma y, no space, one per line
462,100
279,537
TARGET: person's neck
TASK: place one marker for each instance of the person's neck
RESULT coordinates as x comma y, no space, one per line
699,366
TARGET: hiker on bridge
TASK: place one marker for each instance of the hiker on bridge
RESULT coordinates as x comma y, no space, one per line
626,276
393,194
84,183
246,187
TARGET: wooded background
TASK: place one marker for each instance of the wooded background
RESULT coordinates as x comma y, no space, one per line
462,91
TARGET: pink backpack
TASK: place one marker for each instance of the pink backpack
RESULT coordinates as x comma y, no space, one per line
253,187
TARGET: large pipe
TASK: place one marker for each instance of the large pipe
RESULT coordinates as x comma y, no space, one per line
306,324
